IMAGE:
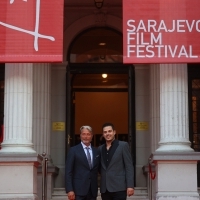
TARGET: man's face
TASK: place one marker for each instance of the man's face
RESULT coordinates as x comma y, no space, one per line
108,133
86,136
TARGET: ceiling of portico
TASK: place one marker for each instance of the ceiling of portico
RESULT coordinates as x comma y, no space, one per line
74,10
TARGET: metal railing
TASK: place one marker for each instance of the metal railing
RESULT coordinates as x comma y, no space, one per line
149,170
44,175
152,175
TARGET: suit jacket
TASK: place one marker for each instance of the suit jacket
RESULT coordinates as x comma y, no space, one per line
118,176
79,176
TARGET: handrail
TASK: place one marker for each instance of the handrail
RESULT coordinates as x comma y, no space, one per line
152,175
44,175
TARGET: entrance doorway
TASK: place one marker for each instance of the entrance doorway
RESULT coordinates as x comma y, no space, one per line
194,110
95,100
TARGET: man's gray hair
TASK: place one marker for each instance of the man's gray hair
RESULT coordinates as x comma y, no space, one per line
89,128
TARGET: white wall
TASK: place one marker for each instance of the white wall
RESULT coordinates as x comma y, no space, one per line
58,115
142,99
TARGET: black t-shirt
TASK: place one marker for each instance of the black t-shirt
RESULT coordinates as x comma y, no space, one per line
108,154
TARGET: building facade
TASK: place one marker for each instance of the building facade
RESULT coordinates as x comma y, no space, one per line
153,106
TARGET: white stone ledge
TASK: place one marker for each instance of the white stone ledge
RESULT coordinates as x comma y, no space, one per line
19,157
178,194
175,156
140,194
18,197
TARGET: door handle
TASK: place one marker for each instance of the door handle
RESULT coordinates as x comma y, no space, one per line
68,139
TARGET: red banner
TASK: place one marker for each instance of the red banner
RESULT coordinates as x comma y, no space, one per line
31,30
161,31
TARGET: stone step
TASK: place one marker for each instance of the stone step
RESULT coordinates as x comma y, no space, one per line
140,194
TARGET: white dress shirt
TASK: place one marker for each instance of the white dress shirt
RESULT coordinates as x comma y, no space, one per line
90,150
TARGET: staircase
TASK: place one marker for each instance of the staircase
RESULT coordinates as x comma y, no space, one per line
140,194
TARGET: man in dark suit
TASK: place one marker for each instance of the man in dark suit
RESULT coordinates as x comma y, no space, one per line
82,168
116,167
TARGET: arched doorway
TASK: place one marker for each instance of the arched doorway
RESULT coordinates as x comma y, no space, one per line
96,45
94,100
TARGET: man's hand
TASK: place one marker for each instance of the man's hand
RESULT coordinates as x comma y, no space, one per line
130,192
71,195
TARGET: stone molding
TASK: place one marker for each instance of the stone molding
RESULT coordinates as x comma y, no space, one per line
19,157
174,156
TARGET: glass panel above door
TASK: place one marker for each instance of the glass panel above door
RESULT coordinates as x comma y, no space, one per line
97,45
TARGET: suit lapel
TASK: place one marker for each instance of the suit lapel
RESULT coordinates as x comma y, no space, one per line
81,151
94,154
83,155
115,154
102,156
112,153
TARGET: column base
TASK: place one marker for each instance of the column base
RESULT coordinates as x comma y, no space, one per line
177,196
10,148
18,179
174,147
18,197
176,175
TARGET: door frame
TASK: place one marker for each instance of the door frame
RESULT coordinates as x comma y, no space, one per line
109,68
193,73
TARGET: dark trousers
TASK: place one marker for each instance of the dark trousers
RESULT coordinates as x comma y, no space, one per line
89,196
121,195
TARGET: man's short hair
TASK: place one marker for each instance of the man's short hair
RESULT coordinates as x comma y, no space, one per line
89,128
108,124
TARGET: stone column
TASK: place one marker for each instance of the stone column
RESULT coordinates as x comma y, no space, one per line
175,160
42,107
155,106
18,159
18,108
174,125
